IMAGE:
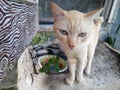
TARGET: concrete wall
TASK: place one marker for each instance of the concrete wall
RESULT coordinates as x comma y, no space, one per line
18,24
109,28
113,30
81,5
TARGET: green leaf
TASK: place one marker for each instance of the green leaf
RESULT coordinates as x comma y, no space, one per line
40,38
57,68
54,61
42,70
118,28
110,41
47,68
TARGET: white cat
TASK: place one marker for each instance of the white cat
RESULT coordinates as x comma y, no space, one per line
78,34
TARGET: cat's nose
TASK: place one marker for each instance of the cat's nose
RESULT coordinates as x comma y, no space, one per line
71,46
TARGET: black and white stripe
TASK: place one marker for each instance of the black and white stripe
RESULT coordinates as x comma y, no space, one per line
17,26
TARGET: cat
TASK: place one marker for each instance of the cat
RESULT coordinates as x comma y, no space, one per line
78,34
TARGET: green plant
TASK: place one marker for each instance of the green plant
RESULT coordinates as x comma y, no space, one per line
51,64
40,38
112,39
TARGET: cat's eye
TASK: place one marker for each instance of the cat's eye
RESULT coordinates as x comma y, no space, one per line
82,34
63,32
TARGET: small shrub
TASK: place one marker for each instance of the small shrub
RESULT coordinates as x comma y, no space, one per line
40,38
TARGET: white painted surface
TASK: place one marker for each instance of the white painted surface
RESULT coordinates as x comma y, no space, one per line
112,12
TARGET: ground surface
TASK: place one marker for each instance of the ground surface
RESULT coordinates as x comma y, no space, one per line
105,73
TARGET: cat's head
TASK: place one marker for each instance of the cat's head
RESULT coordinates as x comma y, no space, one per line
72,27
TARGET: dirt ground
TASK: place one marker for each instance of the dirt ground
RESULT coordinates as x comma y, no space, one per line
105,74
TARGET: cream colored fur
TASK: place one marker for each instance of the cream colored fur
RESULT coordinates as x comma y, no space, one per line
79,50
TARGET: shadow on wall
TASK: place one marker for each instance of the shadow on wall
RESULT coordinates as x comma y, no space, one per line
113,37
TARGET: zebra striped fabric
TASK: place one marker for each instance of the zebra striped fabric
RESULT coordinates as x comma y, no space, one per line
17,27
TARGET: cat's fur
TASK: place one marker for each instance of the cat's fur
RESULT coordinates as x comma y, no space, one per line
78,33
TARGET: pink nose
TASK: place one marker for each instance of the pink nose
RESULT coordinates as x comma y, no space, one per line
71,46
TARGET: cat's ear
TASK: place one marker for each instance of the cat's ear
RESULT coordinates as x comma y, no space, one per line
93,14
57,12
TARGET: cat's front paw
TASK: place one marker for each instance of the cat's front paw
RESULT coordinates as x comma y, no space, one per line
80,79
69,81
87,72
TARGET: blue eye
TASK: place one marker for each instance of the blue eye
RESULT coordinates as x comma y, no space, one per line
82,34
63,32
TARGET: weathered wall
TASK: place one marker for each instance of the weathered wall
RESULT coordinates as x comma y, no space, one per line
110,27
18,24
113,30
81,5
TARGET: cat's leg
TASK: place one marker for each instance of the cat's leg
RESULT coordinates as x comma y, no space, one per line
72,68
91,51
82,61
92,46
